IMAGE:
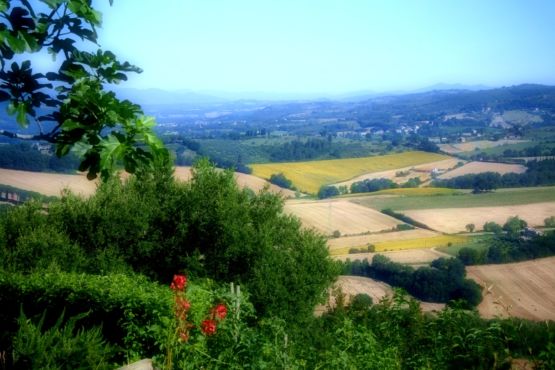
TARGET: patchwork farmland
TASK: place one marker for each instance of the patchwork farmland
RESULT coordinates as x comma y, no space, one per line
402,175
310,176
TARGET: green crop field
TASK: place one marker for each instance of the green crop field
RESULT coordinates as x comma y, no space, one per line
310,176
501,197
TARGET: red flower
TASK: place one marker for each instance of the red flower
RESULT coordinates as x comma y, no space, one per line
208,327
178,282
220,311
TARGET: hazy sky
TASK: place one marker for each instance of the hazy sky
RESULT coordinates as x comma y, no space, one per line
331,46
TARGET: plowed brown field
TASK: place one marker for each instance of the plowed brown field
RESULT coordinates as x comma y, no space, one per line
524,289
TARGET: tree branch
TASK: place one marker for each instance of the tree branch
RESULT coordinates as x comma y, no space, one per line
39,137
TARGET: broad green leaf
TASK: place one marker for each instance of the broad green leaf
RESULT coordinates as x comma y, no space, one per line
111,148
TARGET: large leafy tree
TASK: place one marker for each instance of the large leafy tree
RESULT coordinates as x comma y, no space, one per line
69,106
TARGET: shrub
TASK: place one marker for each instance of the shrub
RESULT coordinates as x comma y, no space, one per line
125,306
327,192
279,179
492,227
549,222
63,346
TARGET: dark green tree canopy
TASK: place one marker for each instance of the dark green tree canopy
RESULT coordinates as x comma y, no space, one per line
70,106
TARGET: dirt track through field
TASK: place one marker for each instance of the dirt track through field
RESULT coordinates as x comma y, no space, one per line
524,289
453,220
347,217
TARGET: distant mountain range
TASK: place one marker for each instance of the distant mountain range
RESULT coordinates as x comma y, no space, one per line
154,96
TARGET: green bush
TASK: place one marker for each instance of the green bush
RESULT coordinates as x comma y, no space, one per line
125,306
62,346
156,226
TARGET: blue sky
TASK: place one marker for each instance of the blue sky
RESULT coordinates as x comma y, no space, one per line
331,46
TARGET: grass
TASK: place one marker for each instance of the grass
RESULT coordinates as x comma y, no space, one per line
310,176
419,243
501,197
477,242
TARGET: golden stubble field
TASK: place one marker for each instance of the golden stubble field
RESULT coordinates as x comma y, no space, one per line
342,215
524,289
481,167
183,173
453,220
52,184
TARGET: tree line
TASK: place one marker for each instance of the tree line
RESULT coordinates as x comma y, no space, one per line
538,173
443,282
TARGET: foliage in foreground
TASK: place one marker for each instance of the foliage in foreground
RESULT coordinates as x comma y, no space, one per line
157,226
393,334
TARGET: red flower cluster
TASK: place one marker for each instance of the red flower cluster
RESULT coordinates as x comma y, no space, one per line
220,311
208,327
178,283
182,306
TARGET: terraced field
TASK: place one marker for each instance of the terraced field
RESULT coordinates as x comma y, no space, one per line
310,176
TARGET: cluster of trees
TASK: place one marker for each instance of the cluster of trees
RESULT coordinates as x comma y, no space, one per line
404,218
371,185
279,179
538,173
23,156
505,248
444,281
298,150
